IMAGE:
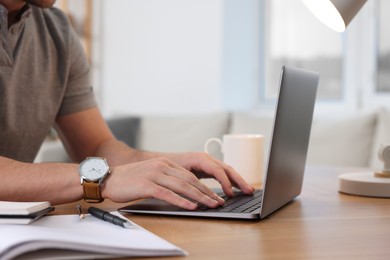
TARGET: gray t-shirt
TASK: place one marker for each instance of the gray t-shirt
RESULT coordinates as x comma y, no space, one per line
44,74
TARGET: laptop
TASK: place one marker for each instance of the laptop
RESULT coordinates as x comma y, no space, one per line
286,163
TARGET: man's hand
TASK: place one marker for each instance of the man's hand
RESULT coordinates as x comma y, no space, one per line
159,178
206,166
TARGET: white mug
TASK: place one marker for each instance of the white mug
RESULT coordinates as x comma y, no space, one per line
243,152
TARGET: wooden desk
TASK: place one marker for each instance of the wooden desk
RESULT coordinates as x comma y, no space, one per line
320,224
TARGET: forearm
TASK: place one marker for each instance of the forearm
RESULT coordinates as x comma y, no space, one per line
55,182
118,153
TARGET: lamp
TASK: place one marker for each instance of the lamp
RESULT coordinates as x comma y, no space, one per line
337,14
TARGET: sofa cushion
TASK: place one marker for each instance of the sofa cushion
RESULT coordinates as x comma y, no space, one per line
181,133
343,141
382,136
52,151
125,129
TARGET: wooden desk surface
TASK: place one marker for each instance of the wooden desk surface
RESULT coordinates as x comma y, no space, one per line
320,224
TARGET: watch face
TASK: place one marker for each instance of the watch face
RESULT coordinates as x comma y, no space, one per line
93,168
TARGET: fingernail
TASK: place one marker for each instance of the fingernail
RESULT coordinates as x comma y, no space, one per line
196,205
219,199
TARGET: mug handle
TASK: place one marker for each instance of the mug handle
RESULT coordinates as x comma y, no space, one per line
209,141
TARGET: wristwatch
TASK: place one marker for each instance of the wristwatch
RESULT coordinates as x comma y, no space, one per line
93,171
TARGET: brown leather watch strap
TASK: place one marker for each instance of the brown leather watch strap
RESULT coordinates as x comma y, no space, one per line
92,192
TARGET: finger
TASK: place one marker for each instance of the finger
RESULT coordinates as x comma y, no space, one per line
237,180
215,169
185,182
161,193
180,172
227,177
235,177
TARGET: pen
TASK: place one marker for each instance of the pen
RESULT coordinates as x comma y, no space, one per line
80,211
107,216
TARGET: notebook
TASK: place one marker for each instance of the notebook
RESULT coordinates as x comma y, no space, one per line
69,237
13,212
286,163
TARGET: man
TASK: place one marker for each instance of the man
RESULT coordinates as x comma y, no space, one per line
44,83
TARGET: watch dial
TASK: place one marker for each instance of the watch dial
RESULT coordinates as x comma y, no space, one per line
93,168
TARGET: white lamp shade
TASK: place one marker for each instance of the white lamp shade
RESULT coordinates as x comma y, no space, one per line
336,14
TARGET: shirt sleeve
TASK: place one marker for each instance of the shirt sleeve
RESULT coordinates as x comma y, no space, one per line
79,94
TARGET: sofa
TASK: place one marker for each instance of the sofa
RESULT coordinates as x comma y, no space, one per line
349,140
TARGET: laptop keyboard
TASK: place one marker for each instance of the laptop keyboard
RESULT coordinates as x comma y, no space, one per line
239,203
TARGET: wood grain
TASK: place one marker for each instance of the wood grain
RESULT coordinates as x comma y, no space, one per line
320,224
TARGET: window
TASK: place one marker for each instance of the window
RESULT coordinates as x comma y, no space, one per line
354,66
383,7
294,37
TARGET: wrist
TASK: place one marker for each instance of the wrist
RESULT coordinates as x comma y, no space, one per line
93,172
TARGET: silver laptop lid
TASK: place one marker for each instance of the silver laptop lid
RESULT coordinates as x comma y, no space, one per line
290,139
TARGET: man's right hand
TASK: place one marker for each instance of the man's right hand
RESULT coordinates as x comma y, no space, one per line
158,178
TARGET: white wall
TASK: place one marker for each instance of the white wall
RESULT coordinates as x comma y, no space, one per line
161,56
176,56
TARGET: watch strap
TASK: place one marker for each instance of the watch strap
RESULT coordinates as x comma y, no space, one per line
92,192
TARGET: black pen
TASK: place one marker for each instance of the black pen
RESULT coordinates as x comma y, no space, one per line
107,216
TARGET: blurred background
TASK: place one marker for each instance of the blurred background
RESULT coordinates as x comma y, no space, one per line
203,56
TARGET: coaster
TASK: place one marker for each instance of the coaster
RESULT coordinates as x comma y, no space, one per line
364,184
382,174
